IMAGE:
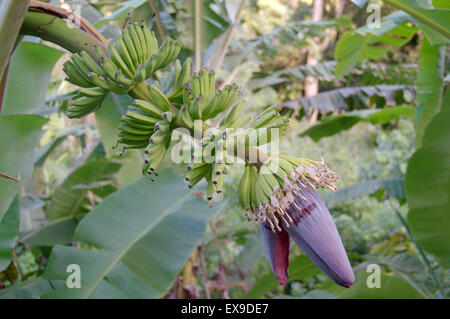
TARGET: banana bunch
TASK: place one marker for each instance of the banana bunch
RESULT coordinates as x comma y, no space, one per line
165,55
158,144
141,120
137,55
172,85
84,71
220,101
202,101
134,58
262,195
264,125
270,118
87,100
212,172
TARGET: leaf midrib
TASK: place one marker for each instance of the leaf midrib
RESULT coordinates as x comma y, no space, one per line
127,248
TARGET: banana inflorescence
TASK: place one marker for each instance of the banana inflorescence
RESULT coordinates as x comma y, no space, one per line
268,191
276,190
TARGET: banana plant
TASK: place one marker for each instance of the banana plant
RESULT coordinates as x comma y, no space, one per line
277,191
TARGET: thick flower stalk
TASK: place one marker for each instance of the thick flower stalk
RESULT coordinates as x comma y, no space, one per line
277,190
281,196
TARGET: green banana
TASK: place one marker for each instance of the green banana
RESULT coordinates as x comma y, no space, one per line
92,92
158,98
150,40
140,34
133,130
260,121
210,192
130,46
162,126
148,108
159,137
180,81
187,94
141,117
185,118
195,110
125,55
219,184
245,188
233,115
199,171
137,44
117,60
141,74
192,166
91,62
133,123
132,137
81,64
195,180
121,79
253,194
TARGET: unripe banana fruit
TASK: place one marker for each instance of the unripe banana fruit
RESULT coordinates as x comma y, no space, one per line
132,59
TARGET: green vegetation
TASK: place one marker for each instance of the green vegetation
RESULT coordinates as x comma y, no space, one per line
79,102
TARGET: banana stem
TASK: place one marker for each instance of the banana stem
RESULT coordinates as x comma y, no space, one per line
55,29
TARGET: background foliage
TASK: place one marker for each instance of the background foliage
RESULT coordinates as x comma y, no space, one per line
373,102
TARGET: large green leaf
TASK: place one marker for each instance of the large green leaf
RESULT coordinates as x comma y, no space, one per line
365,43
108,118
430,82
427,186
57,232
339,123
391,287
19,135
143,235
348,51
68,198
438,19
28,78
300,268
9,229
397,18
29,289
